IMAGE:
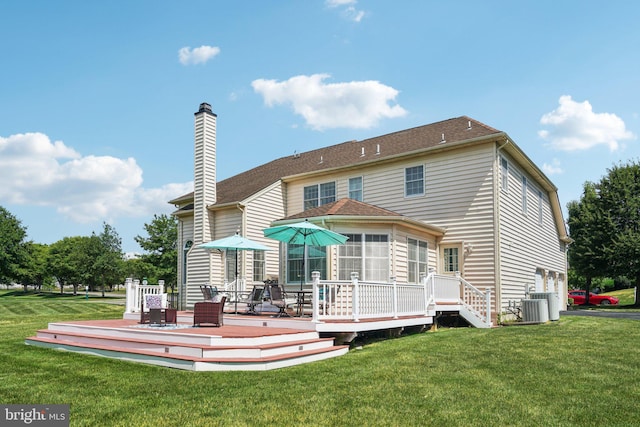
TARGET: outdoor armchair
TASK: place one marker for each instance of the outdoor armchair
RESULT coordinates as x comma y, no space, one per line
209,312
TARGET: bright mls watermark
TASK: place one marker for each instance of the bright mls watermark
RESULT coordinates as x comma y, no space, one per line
34,415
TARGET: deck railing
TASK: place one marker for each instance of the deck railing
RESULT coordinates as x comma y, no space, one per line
355,300
136,293
478,302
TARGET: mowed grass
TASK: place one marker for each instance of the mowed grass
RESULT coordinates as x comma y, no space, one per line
578,371
626,296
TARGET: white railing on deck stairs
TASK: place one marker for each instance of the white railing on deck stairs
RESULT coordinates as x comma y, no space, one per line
355,300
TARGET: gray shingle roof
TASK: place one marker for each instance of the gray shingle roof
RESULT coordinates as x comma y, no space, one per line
243,185
346,207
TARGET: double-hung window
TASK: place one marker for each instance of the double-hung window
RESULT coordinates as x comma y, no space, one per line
417,257
319,194
355,188
258,266
505,174
539,207
414,181
524,194
230,264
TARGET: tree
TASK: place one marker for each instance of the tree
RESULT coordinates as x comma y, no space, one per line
108,263
71,261
605,226
619,197
33,270
587,255
12,246
160,247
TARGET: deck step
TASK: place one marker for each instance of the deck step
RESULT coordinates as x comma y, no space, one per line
194,363
204,349
222,350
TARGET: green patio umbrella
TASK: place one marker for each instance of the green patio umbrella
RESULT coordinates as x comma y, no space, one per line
304,233
235,243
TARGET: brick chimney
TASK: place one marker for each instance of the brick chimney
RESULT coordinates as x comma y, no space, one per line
204,182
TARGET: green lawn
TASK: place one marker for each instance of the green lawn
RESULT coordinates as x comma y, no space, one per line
626,296
577,371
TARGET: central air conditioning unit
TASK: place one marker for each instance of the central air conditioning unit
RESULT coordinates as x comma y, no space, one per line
553,303
535,311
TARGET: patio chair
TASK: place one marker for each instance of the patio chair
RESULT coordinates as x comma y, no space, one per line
154,309
276,296
209,312
256,297
208,292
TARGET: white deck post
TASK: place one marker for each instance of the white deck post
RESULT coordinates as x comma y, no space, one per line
425,291
128,286
315,278
395,297
356,292
487,302
136,295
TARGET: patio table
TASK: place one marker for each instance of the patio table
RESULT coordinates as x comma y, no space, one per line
301,300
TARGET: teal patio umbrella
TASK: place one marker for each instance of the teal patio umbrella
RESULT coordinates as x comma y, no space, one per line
235,243
304,233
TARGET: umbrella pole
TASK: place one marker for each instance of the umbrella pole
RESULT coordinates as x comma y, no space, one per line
236,303
302,276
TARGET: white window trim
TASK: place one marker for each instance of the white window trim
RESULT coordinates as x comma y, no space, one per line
417,262
335,195
525,190
504,172
424,168
361,186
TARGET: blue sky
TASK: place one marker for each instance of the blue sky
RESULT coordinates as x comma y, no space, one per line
97,98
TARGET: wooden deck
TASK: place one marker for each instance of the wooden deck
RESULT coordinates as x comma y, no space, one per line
245,342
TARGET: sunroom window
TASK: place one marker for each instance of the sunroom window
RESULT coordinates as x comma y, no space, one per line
365,254
417,257
316,260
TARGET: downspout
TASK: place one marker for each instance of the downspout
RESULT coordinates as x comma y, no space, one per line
496,228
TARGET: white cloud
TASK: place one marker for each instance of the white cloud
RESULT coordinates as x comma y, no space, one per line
553,168
352,14
338,3
348,9
358,104
36,171
574,126
199,55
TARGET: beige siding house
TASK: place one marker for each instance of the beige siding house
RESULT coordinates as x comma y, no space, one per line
456,196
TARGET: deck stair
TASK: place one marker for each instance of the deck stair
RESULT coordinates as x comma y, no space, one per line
197,349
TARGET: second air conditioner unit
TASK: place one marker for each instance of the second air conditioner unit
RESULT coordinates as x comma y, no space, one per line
535,311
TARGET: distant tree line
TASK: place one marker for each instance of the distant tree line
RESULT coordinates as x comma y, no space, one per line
605,227
96,261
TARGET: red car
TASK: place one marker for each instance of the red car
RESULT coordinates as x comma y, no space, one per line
579,297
